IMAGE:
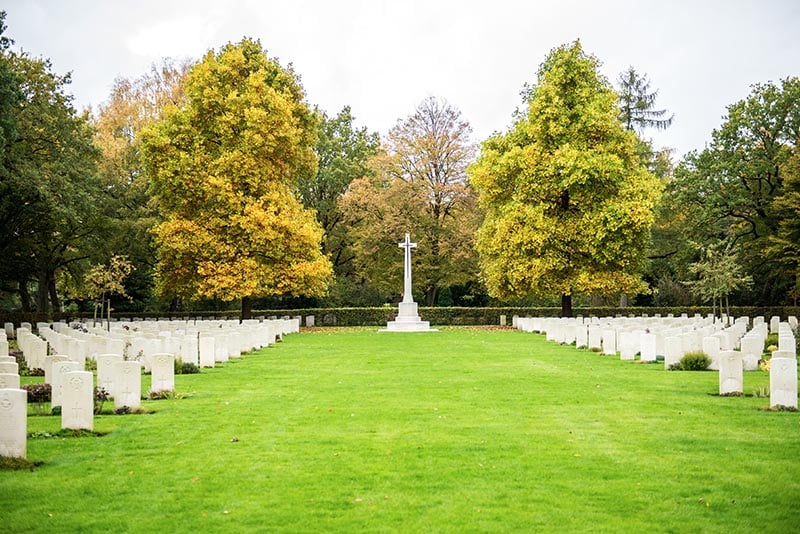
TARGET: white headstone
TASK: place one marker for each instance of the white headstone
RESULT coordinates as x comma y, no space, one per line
127,384
595,336
783,379
673,351
189,348
207,351
13,423
9,367
752,350
105,370
730,372
774,324
162,367
9,381
77,400
581,336
711,348
9,327
59,370
37,350
647,347
610,342
3,347
628,345
48,366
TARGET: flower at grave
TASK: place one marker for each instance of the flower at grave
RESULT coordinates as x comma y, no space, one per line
764,365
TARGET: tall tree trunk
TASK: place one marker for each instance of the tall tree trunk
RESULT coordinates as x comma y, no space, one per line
51,290
247,308
25,296
566,305
430,296
42,307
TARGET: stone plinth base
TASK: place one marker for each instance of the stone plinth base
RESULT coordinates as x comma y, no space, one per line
408,321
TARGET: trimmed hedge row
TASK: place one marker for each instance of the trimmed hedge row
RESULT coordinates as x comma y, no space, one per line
436,316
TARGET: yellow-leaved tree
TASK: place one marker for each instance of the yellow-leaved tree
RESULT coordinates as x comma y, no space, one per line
223,167
569,202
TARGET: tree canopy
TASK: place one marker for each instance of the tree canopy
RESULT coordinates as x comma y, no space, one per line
569,203
224,167
729,189
636,103
419,186
49,192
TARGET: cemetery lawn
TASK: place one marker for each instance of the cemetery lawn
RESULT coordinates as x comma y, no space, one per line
464,430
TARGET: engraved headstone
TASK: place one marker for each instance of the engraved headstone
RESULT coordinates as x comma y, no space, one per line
57,385
730,372
783,379
162,367
77,400
127,384
13,422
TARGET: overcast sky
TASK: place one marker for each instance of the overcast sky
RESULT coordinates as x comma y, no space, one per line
383,57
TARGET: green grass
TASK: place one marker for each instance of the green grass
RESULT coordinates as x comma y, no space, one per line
458,431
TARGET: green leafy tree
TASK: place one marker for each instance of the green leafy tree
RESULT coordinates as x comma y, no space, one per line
344,152
730,188
419,186
10,94
133,105
784,246
569,201
105,280
49,192
636,103
718,273
224,167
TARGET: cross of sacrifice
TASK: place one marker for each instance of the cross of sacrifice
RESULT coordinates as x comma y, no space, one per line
408,245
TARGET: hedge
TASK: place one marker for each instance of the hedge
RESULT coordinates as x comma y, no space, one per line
378,316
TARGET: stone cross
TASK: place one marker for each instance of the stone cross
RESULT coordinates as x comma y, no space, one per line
408,245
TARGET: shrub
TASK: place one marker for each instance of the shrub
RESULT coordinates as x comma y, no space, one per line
675,367
35,372
39,394
100,397
695,361
185,368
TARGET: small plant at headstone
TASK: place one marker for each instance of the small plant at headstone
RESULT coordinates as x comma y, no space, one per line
596,349
90,365
100,397
675,367
18,464
36,372
123,410
761,392
763,364
55,410
695,361
163,395
39,394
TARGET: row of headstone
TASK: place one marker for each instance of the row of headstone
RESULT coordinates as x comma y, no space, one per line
732,348
73,388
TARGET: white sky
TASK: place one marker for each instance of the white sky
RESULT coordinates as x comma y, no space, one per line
383,57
